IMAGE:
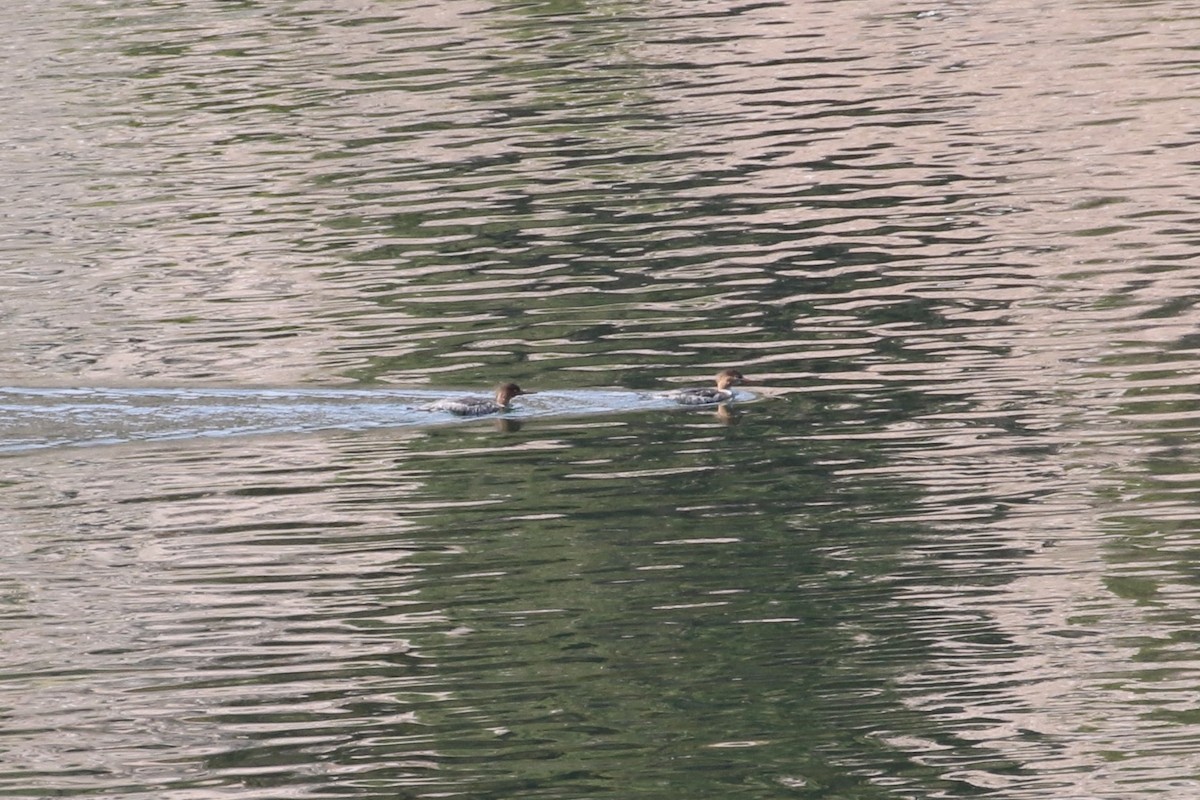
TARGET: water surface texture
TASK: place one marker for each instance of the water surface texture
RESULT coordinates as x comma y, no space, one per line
947,549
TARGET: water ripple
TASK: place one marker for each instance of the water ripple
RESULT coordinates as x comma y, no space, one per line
948,554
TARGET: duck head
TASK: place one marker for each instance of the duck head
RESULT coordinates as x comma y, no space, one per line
731,377
505,392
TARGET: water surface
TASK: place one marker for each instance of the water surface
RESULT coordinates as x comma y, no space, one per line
947,552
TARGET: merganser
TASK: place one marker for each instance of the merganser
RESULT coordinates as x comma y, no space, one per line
710,395
479,406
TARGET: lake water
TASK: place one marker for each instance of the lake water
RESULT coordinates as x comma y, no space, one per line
947,547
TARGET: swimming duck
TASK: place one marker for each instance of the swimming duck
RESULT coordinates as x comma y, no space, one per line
479,406
709,395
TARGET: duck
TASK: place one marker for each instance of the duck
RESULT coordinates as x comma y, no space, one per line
481,406
711,395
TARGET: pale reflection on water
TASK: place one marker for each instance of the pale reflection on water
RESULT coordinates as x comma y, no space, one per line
947,552
39,418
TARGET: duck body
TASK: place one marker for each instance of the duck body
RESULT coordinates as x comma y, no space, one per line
480,406
468,406
701,397
711,395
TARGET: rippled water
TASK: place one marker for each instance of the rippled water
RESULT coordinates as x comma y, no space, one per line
947,551
40,418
